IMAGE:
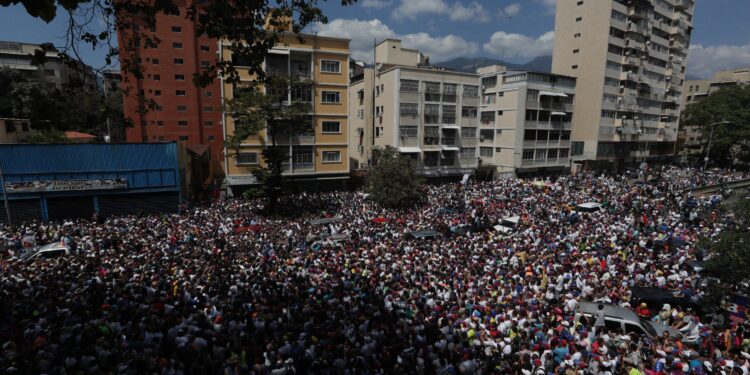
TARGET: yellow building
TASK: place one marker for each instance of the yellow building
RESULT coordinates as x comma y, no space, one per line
318,160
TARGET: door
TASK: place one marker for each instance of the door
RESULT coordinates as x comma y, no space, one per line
70,208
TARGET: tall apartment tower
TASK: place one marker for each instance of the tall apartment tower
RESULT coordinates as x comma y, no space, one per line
184,112
629,58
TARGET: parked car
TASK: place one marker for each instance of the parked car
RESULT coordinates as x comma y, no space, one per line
624,319
588,207
655,298
48,251
426,234
507,225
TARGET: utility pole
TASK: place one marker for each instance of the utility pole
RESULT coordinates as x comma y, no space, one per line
5,198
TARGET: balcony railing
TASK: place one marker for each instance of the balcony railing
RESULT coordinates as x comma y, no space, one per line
449,141
300,167
468,142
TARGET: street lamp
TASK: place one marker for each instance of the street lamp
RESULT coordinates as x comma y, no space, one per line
710,138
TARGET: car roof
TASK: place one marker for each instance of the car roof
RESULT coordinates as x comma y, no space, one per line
513,219
424,233
325,220
612,311
52,246
589,205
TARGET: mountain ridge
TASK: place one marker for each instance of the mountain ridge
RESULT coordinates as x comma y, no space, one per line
471,64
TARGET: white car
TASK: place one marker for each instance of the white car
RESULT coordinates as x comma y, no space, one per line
507,225
52,250
589,207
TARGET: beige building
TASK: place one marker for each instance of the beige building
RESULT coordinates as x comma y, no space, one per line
427,113
629,58
320,157
14,130
690,137
525,121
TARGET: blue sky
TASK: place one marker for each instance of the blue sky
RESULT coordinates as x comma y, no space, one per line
518,30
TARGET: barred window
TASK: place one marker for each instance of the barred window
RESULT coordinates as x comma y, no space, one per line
532,95
487,117
468,112
486,152
431,109
472,91
468,153
432,87
450,88
409,85
408,131
468,132
449,114
409,108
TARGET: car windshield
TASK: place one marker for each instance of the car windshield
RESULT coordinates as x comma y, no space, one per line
647,325
508,223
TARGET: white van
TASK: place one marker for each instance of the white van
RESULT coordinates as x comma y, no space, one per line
52,250
624,319
508,224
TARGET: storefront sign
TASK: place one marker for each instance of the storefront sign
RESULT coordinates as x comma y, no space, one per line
66,185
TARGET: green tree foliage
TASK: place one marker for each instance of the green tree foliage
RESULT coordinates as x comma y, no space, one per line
51,108
275,110
241,24
48,136
730,252
731,142
393,181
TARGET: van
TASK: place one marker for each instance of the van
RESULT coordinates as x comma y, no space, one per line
623,319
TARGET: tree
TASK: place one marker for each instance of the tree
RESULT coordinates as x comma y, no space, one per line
730,141
241,24
275,111
729,254
393,181
48,136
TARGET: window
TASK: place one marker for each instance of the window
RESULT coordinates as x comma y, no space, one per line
211,138
179,61
470,112
579,3
577,35
486,152
574,66
471,91
499,113
330,66
208,108
467,153
449,114
205,64
176,29
157,77
205,48
184,138
331,97
576,50
181,108
431,113
331,127
155,61
468,132
408,108
377,90
408,131
177,45
564,153
579,19
208,93
181,93
487,118
486,135
160,123
528,155
409,85
540,154
552,153
157,93
246,158
208,123
576,148
179,77
431,135
182,123
331,156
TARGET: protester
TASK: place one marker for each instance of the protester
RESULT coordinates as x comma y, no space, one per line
225,289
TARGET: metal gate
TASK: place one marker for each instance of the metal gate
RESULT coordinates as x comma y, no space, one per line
70,208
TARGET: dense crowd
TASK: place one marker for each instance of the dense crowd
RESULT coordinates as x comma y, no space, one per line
224,289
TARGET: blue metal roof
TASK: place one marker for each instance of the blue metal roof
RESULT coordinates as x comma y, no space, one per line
144,165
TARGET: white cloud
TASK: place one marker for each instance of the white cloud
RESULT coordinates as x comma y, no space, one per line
412,8
364,32
704,61
511,10
361,32
439,48
551,5
377,4
510,45
473,12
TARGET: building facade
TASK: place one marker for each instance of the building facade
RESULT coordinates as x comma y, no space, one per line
62,181
525,121
183,111
629,59
427,113
54,74
319,159
690,137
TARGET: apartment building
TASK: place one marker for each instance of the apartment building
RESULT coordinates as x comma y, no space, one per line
320,158
629,59
525,121
427,113
690,137
183,111
54,74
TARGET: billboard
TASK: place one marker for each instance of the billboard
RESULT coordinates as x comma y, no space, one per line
65,185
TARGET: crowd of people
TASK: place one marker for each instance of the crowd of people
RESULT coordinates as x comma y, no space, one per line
224,288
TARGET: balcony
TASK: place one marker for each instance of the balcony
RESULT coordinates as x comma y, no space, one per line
449,141
303,167
470,101
636,28
636,13
468,142
544,162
